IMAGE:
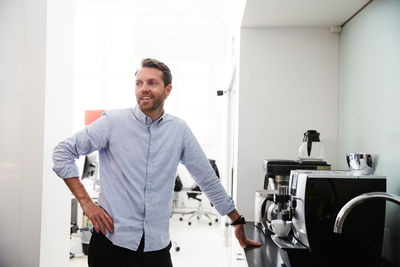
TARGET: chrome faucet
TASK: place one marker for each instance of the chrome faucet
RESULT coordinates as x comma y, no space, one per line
345,210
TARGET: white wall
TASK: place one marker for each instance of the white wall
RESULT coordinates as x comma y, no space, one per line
369,83
22,67
287,85
56,198
30,119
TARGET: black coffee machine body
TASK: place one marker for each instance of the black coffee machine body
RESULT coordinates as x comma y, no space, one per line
276,183
313,202
279,169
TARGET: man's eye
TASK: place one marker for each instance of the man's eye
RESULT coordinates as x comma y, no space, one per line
138,83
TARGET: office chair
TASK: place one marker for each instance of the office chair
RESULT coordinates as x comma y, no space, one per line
194,194
177,188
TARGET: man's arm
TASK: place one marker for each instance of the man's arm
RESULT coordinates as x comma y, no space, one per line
92,138
204,175
97,215
239,231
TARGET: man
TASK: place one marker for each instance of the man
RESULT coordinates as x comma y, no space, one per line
139,150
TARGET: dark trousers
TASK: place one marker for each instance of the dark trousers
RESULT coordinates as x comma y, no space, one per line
103,253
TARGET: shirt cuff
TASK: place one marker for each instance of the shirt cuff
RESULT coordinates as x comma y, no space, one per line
66,172
225,209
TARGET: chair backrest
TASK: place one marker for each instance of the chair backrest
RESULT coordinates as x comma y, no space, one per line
214,166
178,184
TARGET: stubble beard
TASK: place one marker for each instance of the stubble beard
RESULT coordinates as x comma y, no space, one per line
158,102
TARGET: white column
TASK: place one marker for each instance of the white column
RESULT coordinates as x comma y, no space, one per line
58,114
34,112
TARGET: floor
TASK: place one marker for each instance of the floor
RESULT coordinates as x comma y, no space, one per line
199,244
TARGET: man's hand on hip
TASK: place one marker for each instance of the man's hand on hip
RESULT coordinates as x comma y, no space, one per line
97,215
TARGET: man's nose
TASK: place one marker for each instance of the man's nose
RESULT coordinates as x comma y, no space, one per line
144,88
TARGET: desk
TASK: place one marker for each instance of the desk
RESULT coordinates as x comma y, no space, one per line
266,255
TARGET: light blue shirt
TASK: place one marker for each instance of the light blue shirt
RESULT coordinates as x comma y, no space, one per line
138,165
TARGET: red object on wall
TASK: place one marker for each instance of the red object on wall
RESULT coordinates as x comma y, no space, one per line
92,115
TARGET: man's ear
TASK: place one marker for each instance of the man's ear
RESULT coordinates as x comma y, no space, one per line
167,90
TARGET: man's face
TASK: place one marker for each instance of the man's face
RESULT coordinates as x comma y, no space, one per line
150,90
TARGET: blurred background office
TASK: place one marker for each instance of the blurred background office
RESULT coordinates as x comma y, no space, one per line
64,57
196,39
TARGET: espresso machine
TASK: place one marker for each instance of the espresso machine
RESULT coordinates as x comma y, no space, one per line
311,155
276,185
300,218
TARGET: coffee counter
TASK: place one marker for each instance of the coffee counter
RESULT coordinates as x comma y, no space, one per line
266,255
269,254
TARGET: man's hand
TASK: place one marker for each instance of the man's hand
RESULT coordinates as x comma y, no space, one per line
241,237
97,215
239,232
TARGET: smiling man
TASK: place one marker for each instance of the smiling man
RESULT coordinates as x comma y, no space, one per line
152,87
139,151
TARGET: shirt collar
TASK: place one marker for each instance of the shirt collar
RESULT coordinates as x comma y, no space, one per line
144,119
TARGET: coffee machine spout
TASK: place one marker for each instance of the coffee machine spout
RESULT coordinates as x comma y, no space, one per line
346,209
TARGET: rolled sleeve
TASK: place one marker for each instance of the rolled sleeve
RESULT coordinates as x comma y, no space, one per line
66,172
217,195
84,142
64,156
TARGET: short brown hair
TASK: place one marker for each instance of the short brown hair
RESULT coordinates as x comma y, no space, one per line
154,63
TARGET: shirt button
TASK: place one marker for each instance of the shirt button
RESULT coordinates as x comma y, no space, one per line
149,163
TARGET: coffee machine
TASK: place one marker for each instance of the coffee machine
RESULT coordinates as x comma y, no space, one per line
302,219
276,184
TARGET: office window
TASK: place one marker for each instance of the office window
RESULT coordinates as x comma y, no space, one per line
194,38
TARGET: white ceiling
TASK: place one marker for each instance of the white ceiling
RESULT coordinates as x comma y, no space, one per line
299,13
